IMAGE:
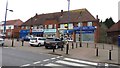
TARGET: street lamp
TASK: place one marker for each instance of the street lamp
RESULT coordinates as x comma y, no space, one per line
67,48
6,16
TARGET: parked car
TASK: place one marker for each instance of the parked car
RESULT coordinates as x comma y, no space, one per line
1,40
53,42
27,38
37,41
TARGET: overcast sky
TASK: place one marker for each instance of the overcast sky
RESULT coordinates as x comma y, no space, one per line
24,9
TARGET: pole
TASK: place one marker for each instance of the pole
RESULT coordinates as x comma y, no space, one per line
87,45
5,17
53,48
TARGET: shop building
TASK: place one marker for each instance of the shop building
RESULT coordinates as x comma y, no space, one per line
54,25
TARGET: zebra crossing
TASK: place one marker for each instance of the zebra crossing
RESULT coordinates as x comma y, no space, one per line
72,62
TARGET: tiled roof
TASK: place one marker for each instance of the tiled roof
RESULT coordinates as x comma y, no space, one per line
115,27
16,22
79,15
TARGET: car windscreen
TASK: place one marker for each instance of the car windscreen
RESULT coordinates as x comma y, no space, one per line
49,39
41,39
33,38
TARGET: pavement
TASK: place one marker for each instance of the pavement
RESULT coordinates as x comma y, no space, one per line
83,53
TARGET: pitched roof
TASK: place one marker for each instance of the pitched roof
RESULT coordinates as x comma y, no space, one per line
16,22
115,27
79,15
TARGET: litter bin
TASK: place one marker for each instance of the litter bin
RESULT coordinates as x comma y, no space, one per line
119,40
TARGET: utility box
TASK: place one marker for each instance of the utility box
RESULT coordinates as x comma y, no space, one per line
119,40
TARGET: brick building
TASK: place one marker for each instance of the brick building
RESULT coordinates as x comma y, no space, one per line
113,32
12,28
53,25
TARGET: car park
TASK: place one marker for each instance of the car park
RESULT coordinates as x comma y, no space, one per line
37,41
53,42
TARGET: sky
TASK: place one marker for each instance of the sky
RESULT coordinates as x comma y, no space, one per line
25,9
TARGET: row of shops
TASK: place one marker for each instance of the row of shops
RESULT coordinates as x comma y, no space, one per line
86,32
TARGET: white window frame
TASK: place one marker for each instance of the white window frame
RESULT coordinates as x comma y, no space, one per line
89,23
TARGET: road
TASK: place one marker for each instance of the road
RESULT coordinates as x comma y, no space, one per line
14,57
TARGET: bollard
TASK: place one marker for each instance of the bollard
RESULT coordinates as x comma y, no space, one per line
111,47
103,46
80,44
97,51
76,44
87,45
72,45
62,47
95,45
53,48
12,42
22,42
67,48
109,54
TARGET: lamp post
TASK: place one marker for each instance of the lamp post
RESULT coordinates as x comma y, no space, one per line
67,48
6,16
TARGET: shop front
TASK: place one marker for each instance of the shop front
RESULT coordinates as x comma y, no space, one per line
50,33
38,32
86,33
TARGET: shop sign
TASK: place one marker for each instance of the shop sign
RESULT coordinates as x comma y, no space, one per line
37,30
49,30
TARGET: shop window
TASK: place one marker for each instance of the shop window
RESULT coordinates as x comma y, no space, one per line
89,24
80,24
70,26
62,26
22,27
50,26
54,26
27,27
45,26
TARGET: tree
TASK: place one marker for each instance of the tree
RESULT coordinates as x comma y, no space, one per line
109,22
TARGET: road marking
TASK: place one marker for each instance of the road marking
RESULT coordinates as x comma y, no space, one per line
59,56
70,63
37,62
25,65
52,58
46,60
51,64
80,61
41,64
106,64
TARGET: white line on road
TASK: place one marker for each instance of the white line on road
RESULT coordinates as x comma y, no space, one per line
37,62
80,61
25,65
59,56
70,63
46,60
52,64
52,58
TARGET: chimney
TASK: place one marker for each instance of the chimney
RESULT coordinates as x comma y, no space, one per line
96,16
61,12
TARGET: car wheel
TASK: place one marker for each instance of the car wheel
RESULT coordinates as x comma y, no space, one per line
39,44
